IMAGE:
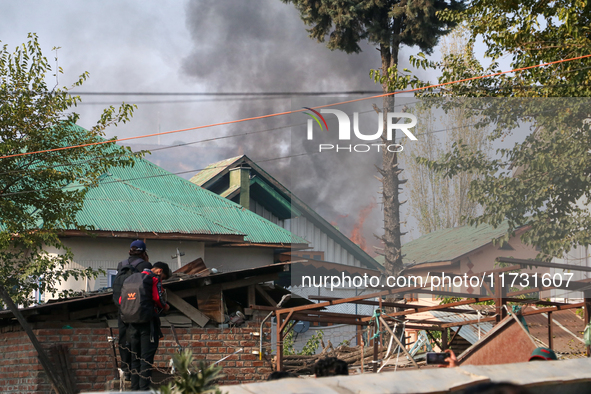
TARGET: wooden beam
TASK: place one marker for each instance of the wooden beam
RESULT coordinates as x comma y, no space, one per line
55,379
550,338
265,295
398,342
454,336
251,295
437,307
187,309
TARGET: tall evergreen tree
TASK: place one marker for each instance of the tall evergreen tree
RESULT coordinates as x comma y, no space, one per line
388,24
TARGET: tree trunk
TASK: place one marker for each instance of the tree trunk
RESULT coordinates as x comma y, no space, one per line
390,173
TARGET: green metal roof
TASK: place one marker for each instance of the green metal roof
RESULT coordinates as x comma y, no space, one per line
448,244
282,198
149,178
118,206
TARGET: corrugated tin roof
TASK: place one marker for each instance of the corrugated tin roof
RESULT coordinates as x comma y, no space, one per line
297,205
468,332
166,186
118,206
567,332
448,244
547,376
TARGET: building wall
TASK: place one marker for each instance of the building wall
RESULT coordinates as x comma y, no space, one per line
91,355
320,241
232,259
106,253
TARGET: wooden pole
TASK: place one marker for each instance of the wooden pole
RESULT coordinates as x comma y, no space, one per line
588,315
398,342
54,378
550,339
279,361
375,348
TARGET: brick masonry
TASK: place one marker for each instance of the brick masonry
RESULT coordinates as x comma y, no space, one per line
91,355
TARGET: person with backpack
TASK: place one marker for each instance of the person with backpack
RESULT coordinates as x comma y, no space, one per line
142,301
138,261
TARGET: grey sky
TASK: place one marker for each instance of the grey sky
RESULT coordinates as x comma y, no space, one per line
196,46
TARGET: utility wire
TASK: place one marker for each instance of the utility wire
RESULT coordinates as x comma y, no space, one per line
187,171
300,110
188,143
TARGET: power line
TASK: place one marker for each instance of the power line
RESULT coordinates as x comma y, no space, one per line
229,94
300,110
177,145
193,170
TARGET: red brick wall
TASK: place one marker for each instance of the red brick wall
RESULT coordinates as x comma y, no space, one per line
91,355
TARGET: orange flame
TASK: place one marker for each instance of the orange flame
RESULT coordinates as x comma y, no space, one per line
356,233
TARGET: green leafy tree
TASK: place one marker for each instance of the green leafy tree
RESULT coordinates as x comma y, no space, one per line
41,193
389,24
543,182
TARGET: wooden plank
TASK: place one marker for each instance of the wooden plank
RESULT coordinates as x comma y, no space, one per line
192,268
398,342
187,309
54,378
265,295
210,304
251,295
550,338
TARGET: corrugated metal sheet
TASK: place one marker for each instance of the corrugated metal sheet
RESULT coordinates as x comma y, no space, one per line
309,225
117,206
565,376
448,244
185,205
567,334
468,332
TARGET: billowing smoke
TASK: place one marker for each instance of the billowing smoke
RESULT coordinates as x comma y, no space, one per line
263,46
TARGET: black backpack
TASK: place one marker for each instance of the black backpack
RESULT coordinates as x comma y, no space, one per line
136,304
127,269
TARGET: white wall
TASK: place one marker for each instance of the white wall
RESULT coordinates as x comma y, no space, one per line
106,253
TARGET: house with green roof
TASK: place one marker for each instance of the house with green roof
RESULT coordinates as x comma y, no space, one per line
462,250
330,252
178,220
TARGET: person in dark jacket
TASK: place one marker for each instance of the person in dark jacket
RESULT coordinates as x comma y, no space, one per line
139,260
144,336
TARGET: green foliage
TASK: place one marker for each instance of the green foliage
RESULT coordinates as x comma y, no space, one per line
309,348
41,193
386,22
530,33
191,381
544,183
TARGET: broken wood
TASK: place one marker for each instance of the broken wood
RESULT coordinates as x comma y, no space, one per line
55,379
187,309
